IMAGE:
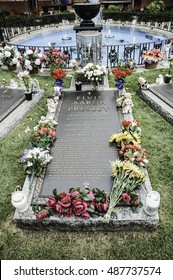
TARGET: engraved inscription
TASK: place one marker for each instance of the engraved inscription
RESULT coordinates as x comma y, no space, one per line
82,151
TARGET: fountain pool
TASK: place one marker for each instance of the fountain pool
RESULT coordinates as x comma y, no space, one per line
118,36
113,38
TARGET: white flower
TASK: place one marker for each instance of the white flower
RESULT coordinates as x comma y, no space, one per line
37,61
7,54
14,60
28,52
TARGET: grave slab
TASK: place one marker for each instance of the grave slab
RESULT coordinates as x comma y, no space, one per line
10,99
124,219
160,99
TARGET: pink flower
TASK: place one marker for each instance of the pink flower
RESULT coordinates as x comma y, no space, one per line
74,193
80,208
126,197
68,213
58,208
42,214
51,202
91,195
65,200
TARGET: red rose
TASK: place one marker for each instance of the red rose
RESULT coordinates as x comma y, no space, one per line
136,203
105,207
85,215
65,200
126,197
79,207
74,193
58,208
42,214
67,213
51,202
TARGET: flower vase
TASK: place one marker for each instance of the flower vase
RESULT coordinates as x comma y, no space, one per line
119,83
78,86
167,79
152,65
33,71
95,85
12,67
59,83
28,96
19,200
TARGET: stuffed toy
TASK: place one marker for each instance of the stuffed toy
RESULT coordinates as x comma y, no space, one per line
127,103
143,84
159,79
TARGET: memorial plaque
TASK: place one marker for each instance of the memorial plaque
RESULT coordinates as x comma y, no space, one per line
164,92
9,100
82,153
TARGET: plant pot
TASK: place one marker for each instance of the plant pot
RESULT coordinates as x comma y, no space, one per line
33,71
152,65
28,96
167,79
78,86
12,67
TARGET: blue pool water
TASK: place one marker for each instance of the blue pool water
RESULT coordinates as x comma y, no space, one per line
130,36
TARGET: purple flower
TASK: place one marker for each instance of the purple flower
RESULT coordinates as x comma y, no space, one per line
24,157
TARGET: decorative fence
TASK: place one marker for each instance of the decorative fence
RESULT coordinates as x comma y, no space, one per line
111,54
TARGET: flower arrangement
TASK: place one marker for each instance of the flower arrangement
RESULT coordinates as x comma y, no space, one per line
25,80
129,134
54,58
44,137
152,56
127,178
135,154
81,203
120,74
58,74
35,160
8,56
127,63
94,73
31,60
44,134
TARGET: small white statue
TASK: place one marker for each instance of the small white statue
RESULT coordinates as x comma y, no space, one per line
159,79
13,84
127,103
57,92
52,103
143,84
35,86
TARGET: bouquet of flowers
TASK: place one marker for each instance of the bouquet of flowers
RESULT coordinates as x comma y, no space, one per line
129,134
8,56
44,134
81,203
58,74
119,75
54,58
154,55
26,80
135,154
35,160
127,177
94,73
31,60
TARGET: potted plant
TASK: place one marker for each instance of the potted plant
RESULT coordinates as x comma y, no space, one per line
76,74
26,83
31,61
151,58
94,74
8,57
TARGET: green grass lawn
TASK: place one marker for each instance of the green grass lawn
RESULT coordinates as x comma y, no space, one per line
157,138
